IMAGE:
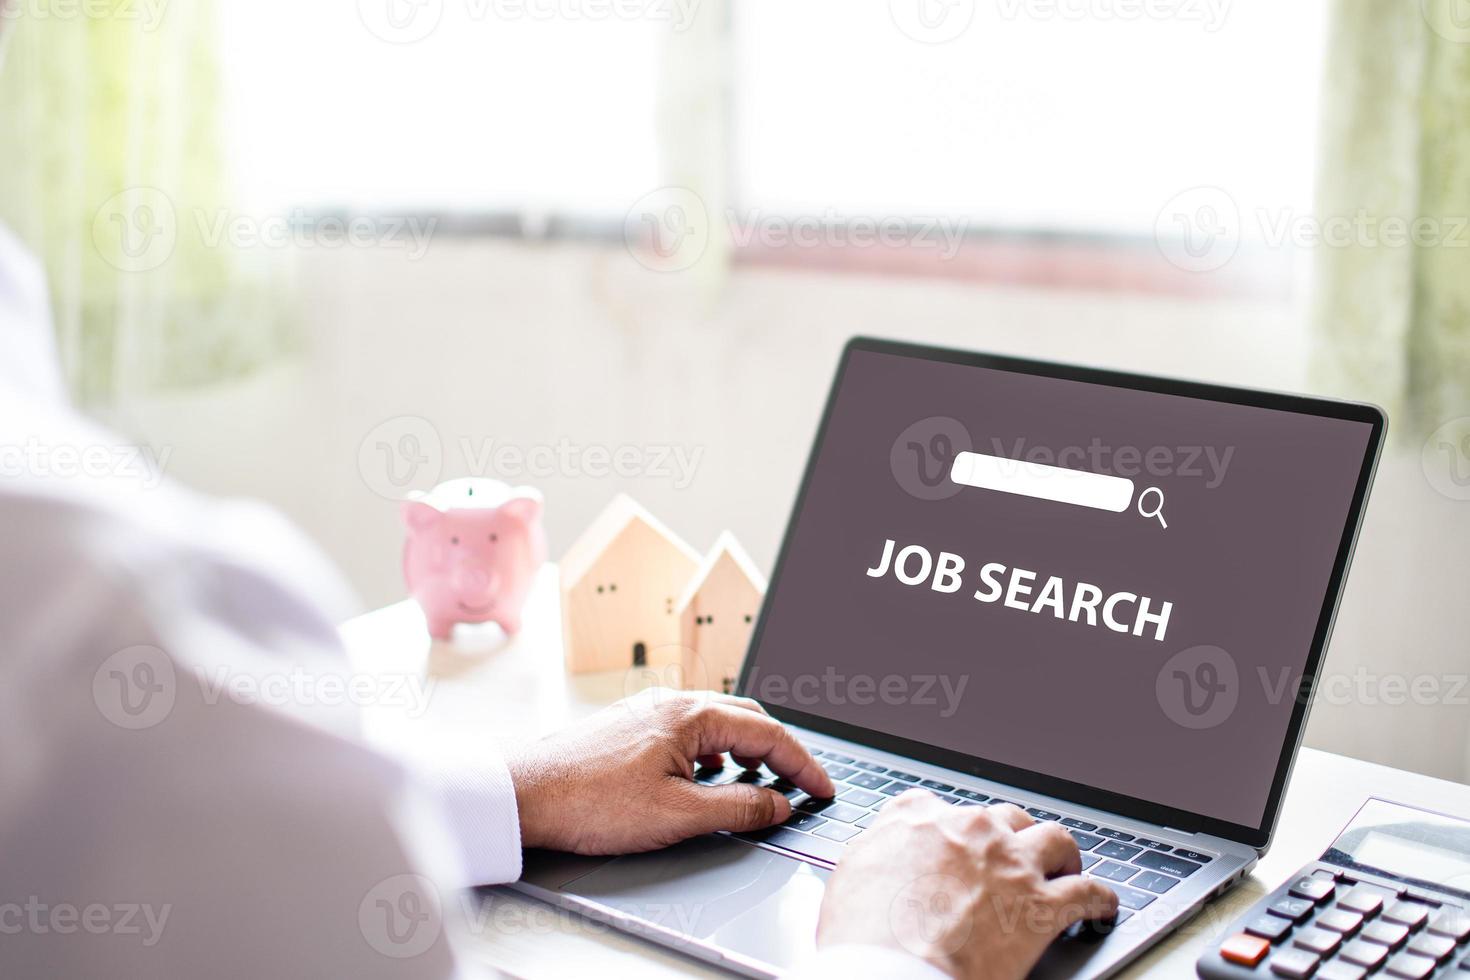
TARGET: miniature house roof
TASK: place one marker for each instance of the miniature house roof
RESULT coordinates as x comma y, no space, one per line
606,528
725,548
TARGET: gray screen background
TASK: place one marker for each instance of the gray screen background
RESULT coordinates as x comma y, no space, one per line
1246,564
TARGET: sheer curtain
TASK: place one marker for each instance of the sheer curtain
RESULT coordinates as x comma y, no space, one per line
1393,300
114,175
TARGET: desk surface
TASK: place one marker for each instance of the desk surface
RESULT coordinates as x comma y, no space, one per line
485,687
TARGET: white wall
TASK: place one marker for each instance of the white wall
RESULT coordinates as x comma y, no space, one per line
532,345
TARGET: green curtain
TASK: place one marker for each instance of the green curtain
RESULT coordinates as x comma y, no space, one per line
115,174
1393,317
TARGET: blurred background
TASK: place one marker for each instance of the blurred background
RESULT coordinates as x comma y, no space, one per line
323,254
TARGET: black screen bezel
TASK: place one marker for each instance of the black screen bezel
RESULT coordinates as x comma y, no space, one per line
1091,796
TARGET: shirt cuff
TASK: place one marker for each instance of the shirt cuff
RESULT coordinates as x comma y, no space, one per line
864,963
480,808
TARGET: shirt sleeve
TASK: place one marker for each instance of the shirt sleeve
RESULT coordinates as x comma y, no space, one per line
480,807
854,962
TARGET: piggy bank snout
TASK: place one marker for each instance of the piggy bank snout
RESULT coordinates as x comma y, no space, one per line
474,582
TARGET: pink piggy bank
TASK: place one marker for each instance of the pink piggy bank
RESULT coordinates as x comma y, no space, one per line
472,551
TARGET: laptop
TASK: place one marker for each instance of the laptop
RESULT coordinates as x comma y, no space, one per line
1102,597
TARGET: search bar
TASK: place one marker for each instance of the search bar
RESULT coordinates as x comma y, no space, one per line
1096,490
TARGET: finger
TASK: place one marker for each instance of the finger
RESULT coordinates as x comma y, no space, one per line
1052,848
747,735
714,761
749,704
1011,816
1077,899
736,807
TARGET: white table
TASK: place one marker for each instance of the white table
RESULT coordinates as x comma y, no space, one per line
484,687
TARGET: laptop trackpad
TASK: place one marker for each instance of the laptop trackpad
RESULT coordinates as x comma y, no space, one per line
735,895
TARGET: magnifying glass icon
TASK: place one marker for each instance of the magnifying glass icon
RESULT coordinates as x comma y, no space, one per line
1158,510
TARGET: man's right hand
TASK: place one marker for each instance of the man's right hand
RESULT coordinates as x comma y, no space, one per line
977,892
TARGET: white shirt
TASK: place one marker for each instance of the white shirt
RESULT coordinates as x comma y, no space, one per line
155,822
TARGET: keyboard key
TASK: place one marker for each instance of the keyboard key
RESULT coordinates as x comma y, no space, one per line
1153,882
970,794
1320,941
1452,923
1437,948
1167,863
871,766
1340,920
837,772
1113,871
895,789
1076,824
1295,964
792,840
846,760
1295,909
1362,899
803,821
1409,966
1313,889
1112,849
813,805
1130,898
951,800
845,812
1245,949
1152,845
869,780
907,777
1338,970
966,803
836,831
1411,914
1085,841
1268,927
859,797
1365,954
1390,934
867,821
1114,834
1041,814
935,785
1185,852
1088,860
997,801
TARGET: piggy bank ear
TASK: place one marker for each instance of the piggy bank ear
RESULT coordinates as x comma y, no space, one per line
419,515
522,509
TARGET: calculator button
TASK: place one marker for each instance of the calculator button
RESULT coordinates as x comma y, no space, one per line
1340,920
1338,970
1410,966
1312,888
1295,909
1362,899
1268,927
1390,934
1452,923
1320,941
1244,949
1437,948
1411,914
1365,954
1294,963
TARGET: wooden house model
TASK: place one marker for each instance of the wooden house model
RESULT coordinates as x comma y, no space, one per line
717,610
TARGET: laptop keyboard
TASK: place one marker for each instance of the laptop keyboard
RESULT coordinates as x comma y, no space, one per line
1136,868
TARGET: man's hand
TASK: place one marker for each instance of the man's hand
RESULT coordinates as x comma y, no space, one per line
977,892
620,781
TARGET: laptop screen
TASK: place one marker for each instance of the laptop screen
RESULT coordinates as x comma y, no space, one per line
1114,587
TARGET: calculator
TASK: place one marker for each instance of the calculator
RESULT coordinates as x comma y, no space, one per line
1390,898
